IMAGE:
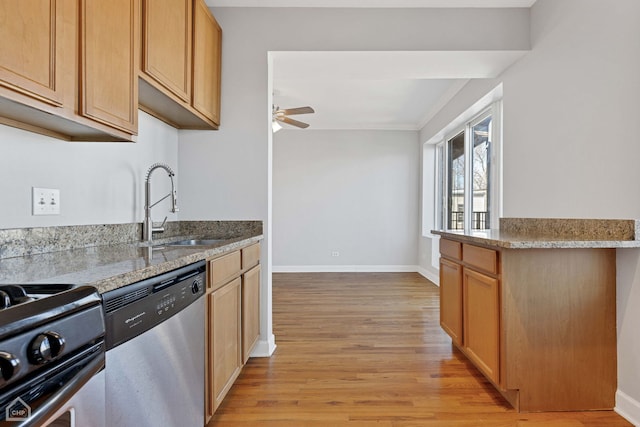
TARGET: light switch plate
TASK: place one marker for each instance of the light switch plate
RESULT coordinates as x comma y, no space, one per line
46,201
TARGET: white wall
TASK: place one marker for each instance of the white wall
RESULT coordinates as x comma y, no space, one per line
355,192
570,149
218,166
427,243
99,182
225,174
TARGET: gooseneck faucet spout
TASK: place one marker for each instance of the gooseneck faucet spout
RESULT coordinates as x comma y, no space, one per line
147,226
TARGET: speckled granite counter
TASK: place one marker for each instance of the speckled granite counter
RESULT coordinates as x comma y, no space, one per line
113,265
532,233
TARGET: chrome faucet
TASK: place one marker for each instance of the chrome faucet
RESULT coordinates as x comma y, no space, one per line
147,226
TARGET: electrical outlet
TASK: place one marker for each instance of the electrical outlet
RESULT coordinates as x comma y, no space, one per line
335,253
45,201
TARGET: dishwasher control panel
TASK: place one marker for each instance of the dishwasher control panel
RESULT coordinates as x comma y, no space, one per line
176,296
134,309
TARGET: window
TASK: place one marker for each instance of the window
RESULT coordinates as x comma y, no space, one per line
467,175
455,182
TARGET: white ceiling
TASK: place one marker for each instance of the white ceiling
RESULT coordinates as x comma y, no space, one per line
377,90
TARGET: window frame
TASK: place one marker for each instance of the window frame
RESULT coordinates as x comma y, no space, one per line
495,174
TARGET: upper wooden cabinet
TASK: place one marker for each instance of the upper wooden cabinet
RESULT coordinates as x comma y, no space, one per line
180,73
166,34
68,68
207,49
109,65
31,48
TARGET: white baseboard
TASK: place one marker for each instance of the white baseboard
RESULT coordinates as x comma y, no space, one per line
345,268
628,407
264,348
429,275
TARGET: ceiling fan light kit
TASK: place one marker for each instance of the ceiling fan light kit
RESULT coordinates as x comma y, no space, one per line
281,116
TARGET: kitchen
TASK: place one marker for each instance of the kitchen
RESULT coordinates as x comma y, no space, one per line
570,96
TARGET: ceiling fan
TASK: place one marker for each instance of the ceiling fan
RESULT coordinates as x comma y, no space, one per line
281,116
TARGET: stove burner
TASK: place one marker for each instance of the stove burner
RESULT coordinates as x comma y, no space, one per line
11,295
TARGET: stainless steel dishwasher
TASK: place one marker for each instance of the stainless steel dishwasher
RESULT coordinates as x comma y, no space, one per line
155,351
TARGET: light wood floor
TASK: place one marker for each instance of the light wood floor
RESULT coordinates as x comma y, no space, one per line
365,349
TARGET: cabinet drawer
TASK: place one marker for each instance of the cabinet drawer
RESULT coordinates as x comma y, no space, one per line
250,256
224,268
482,258
450,249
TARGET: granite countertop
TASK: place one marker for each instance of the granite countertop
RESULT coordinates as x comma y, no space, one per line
541,233
111,266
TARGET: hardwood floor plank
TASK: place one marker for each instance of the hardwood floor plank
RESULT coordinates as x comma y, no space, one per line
365,350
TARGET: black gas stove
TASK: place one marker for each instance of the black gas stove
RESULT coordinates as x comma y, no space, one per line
51,342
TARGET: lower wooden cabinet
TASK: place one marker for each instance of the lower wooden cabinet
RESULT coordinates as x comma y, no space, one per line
451,299
232,325
538,323
481,313
225,342
470,304
250,311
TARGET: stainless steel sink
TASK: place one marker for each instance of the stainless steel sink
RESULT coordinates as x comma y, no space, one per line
195,242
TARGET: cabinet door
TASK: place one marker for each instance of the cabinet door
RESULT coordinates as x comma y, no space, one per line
225,342
31,37
166,44
451,299
482,322
109,65
207,50
250,311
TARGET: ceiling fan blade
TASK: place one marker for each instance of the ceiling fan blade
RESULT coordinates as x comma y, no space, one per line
299,110
292,122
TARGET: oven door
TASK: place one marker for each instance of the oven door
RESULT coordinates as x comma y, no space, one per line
72,395
84,409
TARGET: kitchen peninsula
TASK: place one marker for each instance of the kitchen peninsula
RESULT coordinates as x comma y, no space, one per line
533,306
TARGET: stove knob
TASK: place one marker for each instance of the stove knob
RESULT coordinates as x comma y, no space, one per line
9,366
5,300
45,347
